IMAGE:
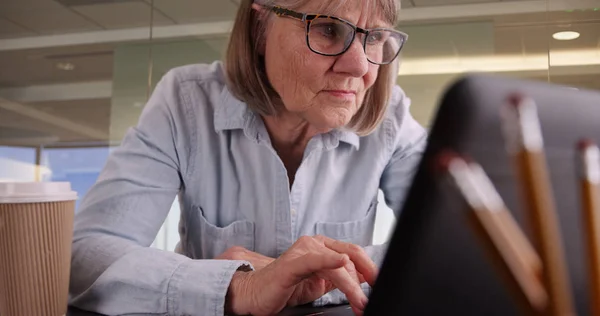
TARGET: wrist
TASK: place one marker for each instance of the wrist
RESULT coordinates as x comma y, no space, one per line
236,300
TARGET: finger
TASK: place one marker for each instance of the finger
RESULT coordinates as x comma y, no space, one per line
351,269
361,278
364,264
349,285
310,263
357,311
347,281
231,253
254,256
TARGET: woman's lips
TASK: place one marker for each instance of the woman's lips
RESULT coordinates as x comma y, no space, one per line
344,94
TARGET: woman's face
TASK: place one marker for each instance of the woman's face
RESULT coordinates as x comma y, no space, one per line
325,91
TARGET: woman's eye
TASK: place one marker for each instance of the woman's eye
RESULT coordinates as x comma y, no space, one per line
328,30
374,38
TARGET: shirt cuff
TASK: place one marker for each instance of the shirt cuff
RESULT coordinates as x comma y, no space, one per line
199,287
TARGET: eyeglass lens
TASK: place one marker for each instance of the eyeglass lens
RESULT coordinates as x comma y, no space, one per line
332,37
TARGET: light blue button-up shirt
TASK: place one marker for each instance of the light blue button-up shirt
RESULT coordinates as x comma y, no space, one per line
197,141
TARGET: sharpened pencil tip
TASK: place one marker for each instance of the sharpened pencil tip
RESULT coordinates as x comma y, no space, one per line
445,159
515,99
585,143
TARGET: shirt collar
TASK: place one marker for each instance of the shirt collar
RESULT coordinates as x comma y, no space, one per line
345,136
232,114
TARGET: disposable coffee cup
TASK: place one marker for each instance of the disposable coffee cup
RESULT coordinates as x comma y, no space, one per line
36,231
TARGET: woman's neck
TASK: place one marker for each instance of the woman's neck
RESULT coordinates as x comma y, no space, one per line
288,132
289,135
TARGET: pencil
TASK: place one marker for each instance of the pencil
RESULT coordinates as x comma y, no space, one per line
503,239
525,143
514,235
589,161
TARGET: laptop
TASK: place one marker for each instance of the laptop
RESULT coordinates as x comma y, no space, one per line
435,265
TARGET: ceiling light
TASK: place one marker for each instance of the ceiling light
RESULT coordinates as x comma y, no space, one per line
65,66
565,36
505,63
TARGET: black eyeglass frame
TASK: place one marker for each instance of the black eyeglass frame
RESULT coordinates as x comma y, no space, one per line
308,18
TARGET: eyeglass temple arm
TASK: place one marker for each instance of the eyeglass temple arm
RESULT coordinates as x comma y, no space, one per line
289,13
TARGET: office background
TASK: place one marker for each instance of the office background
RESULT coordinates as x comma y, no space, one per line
75,74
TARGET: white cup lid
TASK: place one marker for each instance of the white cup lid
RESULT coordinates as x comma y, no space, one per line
35,192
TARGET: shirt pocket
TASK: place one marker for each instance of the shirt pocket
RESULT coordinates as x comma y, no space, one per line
358,232
206,240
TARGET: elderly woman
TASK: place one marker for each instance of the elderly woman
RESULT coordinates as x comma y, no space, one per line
277,156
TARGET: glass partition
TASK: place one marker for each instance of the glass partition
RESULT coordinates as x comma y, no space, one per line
76,74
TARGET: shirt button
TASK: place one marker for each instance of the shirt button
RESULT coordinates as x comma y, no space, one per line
293,212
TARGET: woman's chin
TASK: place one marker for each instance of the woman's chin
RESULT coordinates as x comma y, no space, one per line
330,123
330,117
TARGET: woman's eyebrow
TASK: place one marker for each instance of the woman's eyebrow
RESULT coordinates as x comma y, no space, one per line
381,25
330,8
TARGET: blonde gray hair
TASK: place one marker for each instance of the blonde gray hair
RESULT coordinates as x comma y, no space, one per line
245,67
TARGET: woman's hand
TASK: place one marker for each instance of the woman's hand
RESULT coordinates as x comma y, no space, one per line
257,260
312,267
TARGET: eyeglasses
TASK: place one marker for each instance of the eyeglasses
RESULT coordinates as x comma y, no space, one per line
332,36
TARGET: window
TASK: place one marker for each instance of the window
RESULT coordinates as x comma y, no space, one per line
17,164
79,166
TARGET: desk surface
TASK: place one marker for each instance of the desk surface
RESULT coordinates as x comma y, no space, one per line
298,311
72,311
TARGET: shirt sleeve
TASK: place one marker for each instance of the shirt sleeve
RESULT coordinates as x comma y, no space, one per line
407,143
113,269
407,146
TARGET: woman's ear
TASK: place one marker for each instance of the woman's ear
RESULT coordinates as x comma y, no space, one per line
257,7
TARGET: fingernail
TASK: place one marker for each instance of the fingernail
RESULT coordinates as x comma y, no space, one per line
365,301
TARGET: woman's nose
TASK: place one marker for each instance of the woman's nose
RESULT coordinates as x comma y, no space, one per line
354,61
